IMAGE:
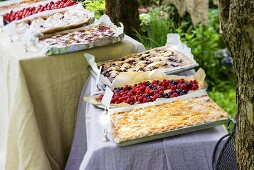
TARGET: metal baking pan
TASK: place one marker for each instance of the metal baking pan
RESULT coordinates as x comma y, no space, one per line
81,46
179,131
173,70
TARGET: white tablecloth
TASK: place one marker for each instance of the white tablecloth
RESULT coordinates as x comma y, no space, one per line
38,103
189,151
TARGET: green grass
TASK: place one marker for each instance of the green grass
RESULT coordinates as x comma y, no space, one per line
225,99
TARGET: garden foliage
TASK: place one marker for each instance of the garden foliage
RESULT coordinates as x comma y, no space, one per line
98,6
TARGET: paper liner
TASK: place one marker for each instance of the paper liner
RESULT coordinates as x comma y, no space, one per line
137,77
185,129
173,41
128,78
104,20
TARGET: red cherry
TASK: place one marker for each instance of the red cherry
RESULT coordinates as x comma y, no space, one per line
117,98
121,99
130,93
175,94
194,87
140,99
145,100
178,81
139,92
126,88
134,89
183,86
147,90
144,83
172,87
182,81
11,18
195,82
190,84
142,88
161,93
166,83
132,98
161,83
170,91
154,82
155,97
161,88
113,100
125,97
151,93
133,92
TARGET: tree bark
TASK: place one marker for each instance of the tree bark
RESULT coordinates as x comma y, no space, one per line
237,23
125,11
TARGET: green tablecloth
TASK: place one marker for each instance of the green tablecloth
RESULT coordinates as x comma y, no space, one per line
39,99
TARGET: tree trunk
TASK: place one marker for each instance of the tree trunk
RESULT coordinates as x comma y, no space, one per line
237,23
125,11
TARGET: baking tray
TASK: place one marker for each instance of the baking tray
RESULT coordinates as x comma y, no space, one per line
173,41
143,76
104,20
173,69
47,14
82,46
179,131
7,6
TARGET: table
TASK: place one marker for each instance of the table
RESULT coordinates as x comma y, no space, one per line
39,100
189,151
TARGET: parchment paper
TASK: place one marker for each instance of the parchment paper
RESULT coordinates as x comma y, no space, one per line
136,77
128,78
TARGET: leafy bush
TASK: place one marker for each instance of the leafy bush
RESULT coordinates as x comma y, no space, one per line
155,26
204,42
225,100
97,6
